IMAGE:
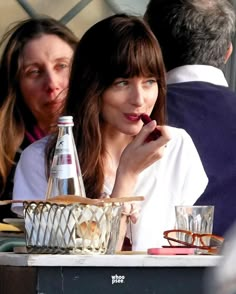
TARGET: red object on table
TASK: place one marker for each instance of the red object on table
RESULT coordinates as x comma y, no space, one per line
171,251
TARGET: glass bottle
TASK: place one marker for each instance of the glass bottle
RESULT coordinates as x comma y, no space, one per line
65,173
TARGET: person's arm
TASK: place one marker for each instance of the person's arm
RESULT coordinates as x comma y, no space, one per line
137,156
30,179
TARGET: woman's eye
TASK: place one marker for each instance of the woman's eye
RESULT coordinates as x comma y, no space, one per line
33,72
62,65
151,81
121,83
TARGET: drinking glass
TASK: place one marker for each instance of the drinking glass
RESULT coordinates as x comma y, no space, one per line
195,219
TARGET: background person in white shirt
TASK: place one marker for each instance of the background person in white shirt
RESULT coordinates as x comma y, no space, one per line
195,37
118,74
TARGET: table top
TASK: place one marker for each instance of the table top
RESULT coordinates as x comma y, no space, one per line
119,260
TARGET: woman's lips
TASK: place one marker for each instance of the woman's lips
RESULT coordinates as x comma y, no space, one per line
132,117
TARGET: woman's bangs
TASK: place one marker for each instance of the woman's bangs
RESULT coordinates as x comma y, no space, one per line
137,58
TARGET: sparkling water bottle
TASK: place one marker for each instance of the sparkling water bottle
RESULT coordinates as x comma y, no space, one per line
65,173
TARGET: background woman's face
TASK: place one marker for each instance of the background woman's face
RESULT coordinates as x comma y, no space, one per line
125,100
44,75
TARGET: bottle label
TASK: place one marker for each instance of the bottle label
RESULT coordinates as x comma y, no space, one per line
64,156
64,171
64,145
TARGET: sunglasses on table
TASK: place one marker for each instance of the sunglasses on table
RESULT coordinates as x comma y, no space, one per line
210,243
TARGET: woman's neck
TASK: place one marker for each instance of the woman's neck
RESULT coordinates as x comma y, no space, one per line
114,146
46,126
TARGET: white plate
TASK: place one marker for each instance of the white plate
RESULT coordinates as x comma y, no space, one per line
17,222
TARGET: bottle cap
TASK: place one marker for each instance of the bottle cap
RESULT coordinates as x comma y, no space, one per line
65,120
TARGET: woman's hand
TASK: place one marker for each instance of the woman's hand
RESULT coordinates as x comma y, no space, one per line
140,154
137,156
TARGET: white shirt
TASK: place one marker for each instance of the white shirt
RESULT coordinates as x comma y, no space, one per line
177,178
196,72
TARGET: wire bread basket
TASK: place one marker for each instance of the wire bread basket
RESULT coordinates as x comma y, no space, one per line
73,225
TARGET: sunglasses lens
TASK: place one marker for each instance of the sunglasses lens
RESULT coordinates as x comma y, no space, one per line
177,238
211,241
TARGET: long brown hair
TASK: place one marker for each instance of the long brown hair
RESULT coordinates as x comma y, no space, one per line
118,46
15,117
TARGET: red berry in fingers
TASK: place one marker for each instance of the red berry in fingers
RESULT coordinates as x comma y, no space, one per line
155,134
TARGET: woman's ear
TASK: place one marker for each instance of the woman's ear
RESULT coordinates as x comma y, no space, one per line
228,52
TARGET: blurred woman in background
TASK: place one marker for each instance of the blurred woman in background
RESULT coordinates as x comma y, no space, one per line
34,71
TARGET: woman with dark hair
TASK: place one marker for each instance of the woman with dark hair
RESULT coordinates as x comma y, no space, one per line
118,75
34,71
